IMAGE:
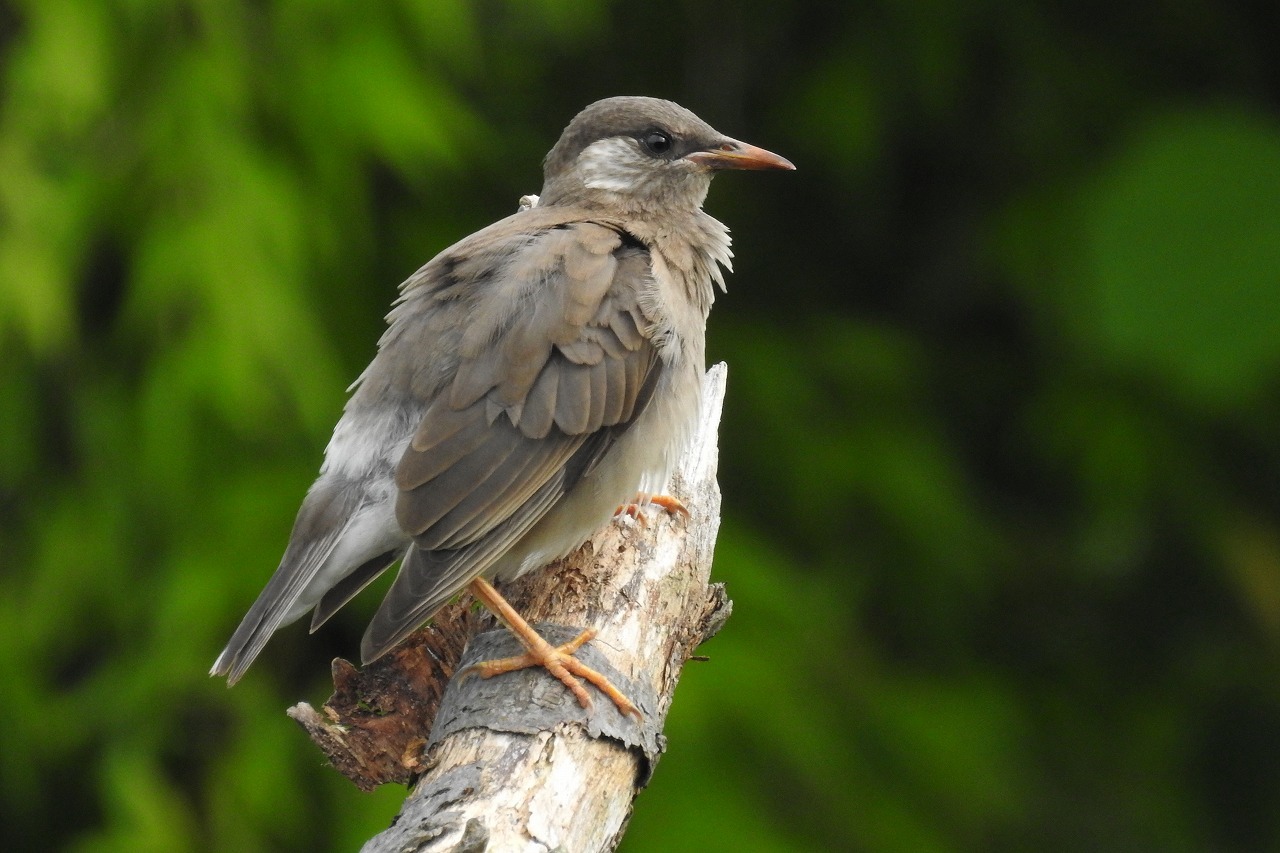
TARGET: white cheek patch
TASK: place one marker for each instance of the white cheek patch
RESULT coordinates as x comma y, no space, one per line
614,164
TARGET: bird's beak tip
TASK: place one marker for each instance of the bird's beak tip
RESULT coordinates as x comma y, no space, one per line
732,154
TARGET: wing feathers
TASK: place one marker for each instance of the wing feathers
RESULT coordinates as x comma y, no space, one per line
505,492
614,394
462,437
598,376
417,509
538,412
553,368
428,579
573,396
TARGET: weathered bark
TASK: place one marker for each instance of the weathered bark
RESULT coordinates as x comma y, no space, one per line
512,762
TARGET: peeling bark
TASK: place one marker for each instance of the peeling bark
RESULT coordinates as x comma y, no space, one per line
513,762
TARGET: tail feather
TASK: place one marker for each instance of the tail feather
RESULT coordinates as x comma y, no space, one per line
351,586
325,516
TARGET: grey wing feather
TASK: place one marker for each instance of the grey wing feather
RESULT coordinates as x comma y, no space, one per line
429,578
550,375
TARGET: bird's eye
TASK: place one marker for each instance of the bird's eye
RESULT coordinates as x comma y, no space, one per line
657,141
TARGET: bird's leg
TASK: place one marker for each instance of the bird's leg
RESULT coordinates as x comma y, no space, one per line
559,661
635,509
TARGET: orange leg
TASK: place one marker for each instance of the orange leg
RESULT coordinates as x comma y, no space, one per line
560,661
634,509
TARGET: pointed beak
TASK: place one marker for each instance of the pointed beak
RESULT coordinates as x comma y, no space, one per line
732,154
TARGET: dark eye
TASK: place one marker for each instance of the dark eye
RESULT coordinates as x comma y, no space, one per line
657,141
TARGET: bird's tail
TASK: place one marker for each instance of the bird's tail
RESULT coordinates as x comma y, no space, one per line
325,516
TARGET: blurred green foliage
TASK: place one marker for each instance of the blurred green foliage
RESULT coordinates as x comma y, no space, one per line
1001,456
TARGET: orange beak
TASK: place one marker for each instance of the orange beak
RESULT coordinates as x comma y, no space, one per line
732,154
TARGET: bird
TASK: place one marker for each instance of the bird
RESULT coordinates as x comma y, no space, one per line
531,378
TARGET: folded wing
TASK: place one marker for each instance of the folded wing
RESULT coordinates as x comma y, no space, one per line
554,366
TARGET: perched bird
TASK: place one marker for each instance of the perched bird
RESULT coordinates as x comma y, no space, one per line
532,378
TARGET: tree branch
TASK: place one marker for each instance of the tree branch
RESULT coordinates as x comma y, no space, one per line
512,762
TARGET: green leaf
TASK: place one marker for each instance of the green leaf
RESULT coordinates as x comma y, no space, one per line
1181,261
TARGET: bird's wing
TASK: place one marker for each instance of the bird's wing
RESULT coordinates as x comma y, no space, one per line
554,364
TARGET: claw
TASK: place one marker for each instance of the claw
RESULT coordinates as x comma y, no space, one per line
558,660
635,509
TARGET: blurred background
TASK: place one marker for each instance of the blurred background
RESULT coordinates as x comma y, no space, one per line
1001,454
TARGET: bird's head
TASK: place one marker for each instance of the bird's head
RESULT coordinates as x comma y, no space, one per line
637,155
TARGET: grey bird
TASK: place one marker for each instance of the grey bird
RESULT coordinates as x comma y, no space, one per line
533,377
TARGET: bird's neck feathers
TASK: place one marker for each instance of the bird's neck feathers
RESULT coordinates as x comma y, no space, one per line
659,202
701,249
694,250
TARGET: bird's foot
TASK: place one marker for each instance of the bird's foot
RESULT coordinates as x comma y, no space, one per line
635,509
560,662
557,660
